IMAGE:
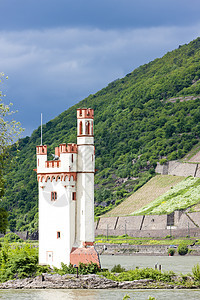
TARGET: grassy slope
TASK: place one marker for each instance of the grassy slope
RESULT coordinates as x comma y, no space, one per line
183,195
155,187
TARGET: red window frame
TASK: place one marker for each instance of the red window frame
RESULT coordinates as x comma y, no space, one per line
74,196
53,196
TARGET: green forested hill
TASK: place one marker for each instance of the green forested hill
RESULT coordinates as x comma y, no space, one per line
146,116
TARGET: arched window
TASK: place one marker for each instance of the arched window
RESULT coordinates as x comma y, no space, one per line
87,124
80,127
92,129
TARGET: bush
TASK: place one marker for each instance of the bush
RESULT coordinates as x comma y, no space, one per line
182,249
171,251
91,268
83,269
137,274
163,161
117,269
196,272
20,262
12,237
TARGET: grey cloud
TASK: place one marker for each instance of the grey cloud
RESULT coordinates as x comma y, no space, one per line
64,65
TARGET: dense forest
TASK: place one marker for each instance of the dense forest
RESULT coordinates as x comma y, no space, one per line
150,115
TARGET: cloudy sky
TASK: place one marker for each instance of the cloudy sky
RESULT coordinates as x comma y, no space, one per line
57,52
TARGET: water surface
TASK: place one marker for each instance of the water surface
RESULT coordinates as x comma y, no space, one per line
98,294
178,264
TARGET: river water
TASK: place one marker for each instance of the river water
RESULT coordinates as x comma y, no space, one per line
178,264
98,294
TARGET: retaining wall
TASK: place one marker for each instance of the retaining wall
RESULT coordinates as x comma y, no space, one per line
125,249
151,225
177,168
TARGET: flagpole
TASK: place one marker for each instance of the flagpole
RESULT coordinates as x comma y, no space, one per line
41,129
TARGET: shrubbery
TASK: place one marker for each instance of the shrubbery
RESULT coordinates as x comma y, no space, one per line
196,272
182,249
171,251
137,274
91,268
118,269
12,237
22,262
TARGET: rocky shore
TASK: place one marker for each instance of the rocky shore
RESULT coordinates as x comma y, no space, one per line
92,281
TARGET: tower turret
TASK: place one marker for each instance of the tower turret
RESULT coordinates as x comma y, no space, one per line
41,152
85,176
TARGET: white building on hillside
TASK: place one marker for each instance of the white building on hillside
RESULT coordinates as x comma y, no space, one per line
66,198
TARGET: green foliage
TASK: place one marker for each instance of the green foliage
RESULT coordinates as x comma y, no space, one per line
171,251
117,269
196,272
3,220
136,274
126,297
9,131
163,161
20,262
182,249
12,237
91,268
150,114
144,241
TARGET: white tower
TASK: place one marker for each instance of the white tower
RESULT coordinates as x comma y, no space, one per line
66,199
85,176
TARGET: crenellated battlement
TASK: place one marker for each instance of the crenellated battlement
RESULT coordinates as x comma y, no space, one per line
69,148
85,113
41,150
72,148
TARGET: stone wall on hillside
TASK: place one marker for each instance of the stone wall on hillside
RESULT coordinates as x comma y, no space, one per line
177,168
179,224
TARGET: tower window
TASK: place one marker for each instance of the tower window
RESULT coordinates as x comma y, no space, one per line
87,128
80,127
72,158
92,129
73,195
58,234
53,196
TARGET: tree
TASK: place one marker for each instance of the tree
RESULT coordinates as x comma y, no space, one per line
3,220
9,130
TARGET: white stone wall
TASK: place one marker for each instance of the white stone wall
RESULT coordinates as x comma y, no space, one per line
85,207
56,216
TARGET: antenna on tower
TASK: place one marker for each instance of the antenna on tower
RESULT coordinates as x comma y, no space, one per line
41,129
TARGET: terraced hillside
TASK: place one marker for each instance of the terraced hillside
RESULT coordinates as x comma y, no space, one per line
154,188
